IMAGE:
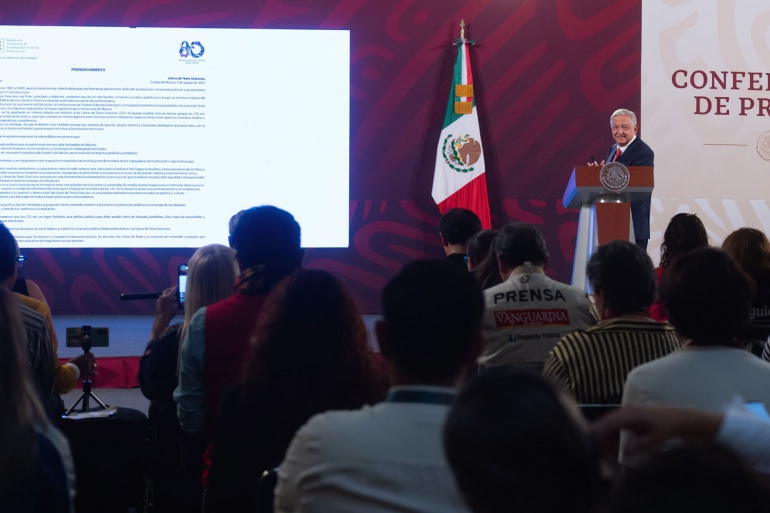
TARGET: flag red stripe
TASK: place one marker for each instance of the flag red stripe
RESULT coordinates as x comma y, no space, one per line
468,72
472,196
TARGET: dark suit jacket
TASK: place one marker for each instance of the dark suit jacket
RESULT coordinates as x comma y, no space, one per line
637,154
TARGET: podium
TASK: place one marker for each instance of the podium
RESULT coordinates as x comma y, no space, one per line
604,196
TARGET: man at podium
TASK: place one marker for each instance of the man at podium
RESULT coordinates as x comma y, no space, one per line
630,150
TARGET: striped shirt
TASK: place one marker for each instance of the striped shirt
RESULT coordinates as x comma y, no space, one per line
593,364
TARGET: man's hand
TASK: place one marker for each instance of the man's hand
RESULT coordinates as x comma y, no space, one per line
651,427
166,308
594,163
86,363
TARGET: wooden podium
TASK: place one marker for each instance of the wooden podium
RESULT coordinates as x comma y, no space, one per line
605,214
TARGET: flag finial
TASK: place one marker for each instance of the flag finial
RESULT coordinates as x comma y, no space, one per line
461,40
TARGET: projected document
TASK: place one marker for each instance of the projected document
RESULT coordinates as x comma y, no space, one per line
154,137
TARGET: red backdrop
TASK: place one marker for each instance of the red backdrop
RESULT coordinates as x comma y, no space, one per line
547,74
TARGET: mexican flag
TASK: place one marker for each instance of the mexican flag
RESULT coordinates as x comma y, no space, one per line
458,180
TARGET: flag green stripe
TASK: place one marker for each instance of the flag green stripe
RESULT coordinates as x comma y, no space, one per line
450,116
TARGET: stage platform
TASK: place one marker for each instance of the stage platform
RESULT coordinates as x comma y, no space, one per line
119,363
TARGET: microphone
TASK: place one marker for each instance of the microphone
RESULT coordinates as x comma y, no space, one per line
146,295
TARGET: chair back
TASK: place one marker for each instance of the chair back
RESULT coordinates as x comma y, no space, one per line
594,412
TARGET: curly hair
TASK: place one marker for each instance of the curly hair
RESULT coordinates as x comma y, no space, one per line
684,233
311,349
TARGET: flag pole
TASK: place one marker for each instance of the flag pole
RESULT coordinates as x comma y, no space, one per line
459,175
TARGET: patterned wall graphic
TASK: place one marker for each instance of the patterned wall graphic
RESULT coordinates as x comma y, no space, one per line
711,141
548,74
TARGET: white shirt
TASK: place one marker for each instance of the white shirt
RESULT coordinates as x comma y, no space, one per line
624,148
384,458
527,314
746,435
704,378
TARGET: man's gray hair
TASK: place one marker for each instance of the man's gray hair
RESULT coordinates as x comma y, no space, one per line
624,112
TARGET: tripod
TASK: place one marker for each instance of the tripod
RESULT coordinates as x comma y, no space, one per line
85,342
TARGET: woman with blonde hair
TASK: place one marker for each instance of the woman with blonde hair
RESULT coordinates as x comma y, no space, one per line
211,275
36,470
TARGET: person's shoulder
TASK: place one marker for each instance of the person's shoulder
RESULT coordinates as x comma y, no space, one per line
344,425
636,324
497,289
575,294
572,344
640,146
457,258
200,313
32,304
172,331
654,369
32,318
235,305
748,359
572,348
341,418
54,436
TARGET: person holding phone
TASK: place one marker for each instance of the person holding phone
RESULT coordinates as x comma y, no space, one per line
208,277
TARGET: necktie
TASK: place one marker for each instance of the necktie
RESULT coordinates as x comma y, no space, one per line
617,155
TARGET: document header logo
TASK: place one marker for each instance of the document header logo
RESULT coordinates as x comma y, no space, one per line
194,50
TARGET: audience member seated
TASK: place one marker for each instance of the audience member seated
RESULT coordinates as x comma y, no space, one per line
684,233
706,479
389,457
41,355
36,469
267,244
516,444
528,313
211,274
456,226
27,287
751,249
707,297
311,355
65,376
593,364
651,428
482,260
